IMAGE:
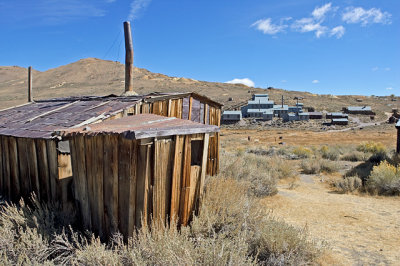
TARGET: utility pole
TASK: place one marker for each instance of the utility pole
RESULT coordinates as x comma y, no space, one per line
29,84
128,58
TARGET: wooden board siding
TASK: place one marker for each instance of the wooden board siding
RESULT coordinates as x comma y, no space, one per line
110,184
43,170
163,165
141,180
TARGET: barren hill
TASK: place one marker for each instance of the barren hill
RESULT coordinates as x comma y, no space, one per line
93,76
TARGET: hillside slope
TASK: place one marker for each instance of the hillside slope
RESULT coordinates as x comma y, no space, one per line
93,76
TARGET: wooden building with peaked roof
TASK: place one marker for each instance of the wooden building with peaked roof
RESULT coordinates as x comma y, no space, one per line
33,158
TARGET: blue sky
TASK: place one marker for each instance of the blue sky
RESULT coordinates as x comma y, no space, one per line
329,47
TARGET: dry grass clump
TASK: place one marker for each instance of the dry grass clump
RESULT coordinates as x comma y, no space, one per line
252,169
261,172
384,179
371,147
232,229
330,152
302,152
348,184
316,166
355,156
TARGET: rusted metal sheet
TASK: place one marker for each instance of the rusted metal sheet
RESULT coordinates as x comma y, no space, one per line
143,126
41,118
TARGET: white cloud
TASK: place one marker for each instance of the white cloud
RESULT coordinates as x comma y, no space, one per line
338,32
245,81
267,27
389,89
375,69
387,69
110,1
365,17
315,81
319,12
309,25
284,81
136,7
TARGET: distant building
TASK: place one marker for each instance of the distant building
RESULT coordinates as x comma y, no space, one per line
232,116
340,121
268,115
304,116
315,115
358,110
295,117
295,109
280,110
336,115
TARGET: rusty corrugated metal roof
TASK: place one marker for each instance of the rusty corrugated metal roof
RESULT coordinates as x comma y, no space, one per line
142,126
39,119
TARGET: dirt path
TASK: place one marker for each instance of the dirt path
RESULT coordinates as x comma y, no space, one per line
359,230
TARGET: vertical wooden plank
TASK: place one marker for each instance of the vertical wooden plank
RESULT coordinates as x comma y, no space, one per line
185,181
176,177
142,184
2,188
203,167
124,170
192,187
78,154
52,159
111,183
24,179
90,159
33,167
162,179
14,169
132,188
43,170
180,108
205,113
6,167
98,182
190,108
169,106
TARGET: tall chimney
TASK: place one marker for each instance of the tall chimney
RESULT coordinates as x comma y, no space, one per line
30,84
128,59
282,101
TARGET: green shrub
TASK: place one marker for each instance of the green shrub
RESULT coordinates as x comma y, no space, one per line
348,184
384,180
371,147
355,156
316,166
330,153
302,152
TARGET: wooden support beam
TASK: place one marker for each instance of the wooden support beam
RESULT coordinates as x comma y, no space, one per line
190,108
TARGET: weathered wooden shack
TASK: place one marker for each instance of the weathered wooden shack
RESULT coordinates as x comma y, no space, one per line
139,167
34,159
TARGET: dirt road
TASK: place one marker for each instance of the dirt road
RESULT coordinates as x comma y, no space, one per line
359,230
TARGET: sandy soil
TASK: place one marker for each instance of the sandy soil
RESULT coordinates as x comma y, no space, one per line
359,230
